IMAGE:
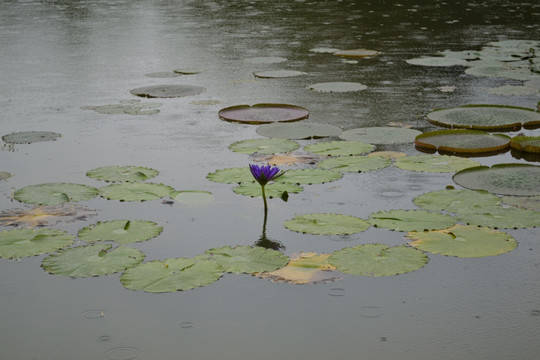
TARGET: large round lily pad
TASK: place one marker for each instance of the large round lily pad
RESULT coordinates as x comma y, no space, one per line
122,173
168,91
54,193
248,259
338,86
529,144
271,74
462,141
437,61
264,146
193,197
19,243
272,190
463,241
300,130
434,163
263,113
381,135
327,224
355,163
502,179
525,202
340,148
236,175
29,137
500,217
266,60
378,260
457,200
356,53
92,260
135,191
310,176
120,231
485,117
409,220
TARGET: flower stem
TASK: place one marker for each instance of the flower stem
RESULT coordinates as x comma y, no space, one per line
264,199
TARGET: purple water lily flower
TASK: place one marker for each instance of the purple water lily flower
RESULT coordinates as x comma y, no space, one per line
264,174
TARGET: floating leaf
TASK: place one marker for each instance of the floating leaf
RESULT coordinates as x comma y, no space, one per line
322,50
264,146
463,241
501,218
29,137
434,163
193,197
4,175
381,135
457,201
387,154
526,202
248,259
130,108
355,163
327,224
500,71
533,83
54,193
120,231
340,148
19,243
301,130
277,74
409,220
378,260
266,60
278,160
163,74
503,179
462,141
135,191
310,176
437,61
339,86
263,113
171,275
231,175
206,102
305,268
189,71
272,190
122,173
45,215
513,90
526,143
356,53
92,260
168,91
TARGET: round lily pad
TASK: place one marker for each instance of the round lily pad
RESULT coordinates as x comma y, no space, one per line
529,144
277,74
135,191
122,173
356,53
19,243
188,71
526,202
171,275
340,148
163,74
499,217
381,135
248,259
168,91
338,86
231,175
120,231
378,260
263,113
462,141
300,130
29,137
485,117
409,220
437,61
513,90
434,163
463,241
502,179
49,215
327,224
272,190
135,108
500,71
92,260
310,176
192,197
355,163
323,50
266,60
54,193
264,146
457,200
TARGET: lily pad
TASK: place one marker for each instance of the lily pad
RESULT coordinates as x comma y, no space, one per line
188,71
502,179
171,275
340,148
266,60
310,176
271,74
457,200
54,193
263,113
437,61
92,260
356,53
355,163
529,144
264,146
463,141
168,91
131,108
485,117
463,241
327,224
338,86
409,220
120,231
434,163
501,218
526,202
163,74
45,215
122,173
135,191
29,137
272,190
381,135
248,259
193,197
4,175
513,90
500,71
19,243
390,155
378,260
287,159
301,130
231,175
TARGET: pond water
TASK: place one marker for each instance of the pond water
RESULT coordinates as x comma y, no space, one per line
61,56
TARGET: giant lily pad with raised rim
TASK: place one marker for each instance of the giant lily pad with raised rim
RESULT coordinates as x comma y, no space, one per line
171,275
437,61
310,176
356,53
168,91
525,202
485,117
54,193
29,137
301,130
409,220
340,148
327,224
457,200
378,260
529,144
272,74
337,86
355,163
92,260
19,243
264,146
381,135
463,241
434,163
462,141
120,231
247,259
135,191
263,113
272,190
235,175
122,173
502,179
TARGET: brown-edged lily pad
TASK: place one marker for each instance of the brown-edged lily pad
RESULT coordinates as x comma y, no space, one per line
526,143
272,74
168,91
462,141
263,113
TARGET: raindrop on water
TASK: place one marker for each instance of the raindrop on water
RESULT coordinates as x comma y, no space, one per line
122,353
186,325
336,292
371,311
93,313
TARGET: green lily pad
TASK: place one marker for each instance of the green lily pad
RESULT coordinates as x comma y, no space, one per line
29,137
529,144
323,50
272,190
263,113
188,71
19,243
355,163
434,163
301,130
54,193
485,117
271,74
437,61
171,275
122,173
356,53
135,191
168,91
378,260
526,202
231,175
310,176
502,179
92,260
130,108
327,224
381,135
338,86
457,201
266,60
340,148
248,259
462,141
463,241
513,90
409,220
193,197
120,231
501,218
264,146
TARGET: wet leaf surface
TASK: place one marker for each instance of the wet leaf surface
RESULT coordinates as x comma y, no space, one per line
135,191
19,243
409,220
355,163
122,173
54,193
340,148
247,259
168,91
263,113
327,224
462,141
120,231
264,146
434,163
29,137
45,215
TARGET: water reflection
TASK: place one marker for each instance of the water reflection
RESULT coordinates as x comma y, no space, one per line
264,241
